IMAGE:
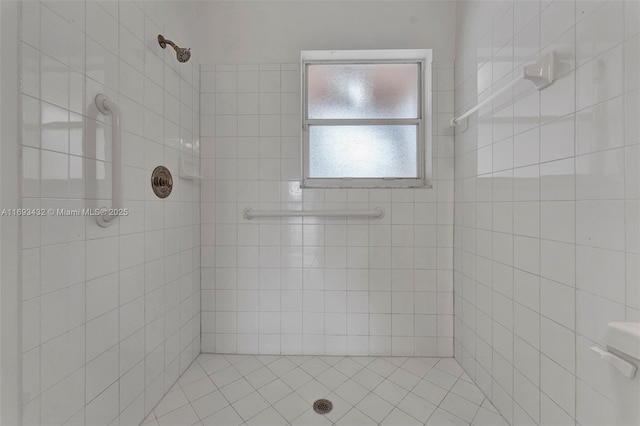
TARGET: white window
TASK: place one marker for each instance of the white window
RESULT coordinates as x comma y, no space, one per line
366,118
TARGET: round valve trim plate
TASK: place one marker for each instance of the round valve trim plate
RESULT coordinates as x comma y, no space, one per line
161,181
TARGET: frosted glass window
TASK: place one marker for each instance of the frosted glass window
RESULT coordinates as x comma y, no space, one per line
363,118
362,151
348,91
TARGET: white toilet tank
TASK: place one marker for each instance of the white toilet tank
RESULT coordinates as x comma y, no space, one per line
623,355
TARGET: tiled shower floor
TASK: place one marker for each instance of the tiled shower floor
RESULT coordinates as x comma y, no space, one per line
263,390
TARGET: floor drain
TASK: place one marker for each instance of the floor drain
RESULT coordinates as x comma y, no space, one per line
322,406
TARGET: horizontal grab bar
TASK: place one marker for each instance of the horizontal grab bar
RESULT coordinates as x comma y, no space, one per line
376,213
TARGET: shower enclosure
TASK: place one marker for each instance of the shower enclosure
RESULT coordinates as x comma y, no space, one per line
204,295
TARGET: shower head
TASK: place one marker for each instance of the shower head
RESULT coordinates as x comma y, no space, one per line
182,53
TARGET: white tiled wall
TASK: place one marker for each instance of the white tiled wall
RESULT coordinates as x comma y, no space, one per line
110,316
316,286
547,247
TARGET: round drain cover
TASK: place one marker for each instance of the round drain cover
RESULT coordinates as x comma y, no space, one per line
322,406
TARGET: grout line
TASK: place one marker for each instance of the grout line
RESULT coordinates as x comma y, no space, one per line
626,196
537,349
575,229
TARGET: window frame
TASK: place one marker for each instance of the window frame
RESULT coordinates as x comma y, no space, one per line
422,57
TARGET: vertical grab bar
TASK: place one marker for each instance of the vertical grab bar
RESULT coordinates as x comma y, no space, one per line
106,107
